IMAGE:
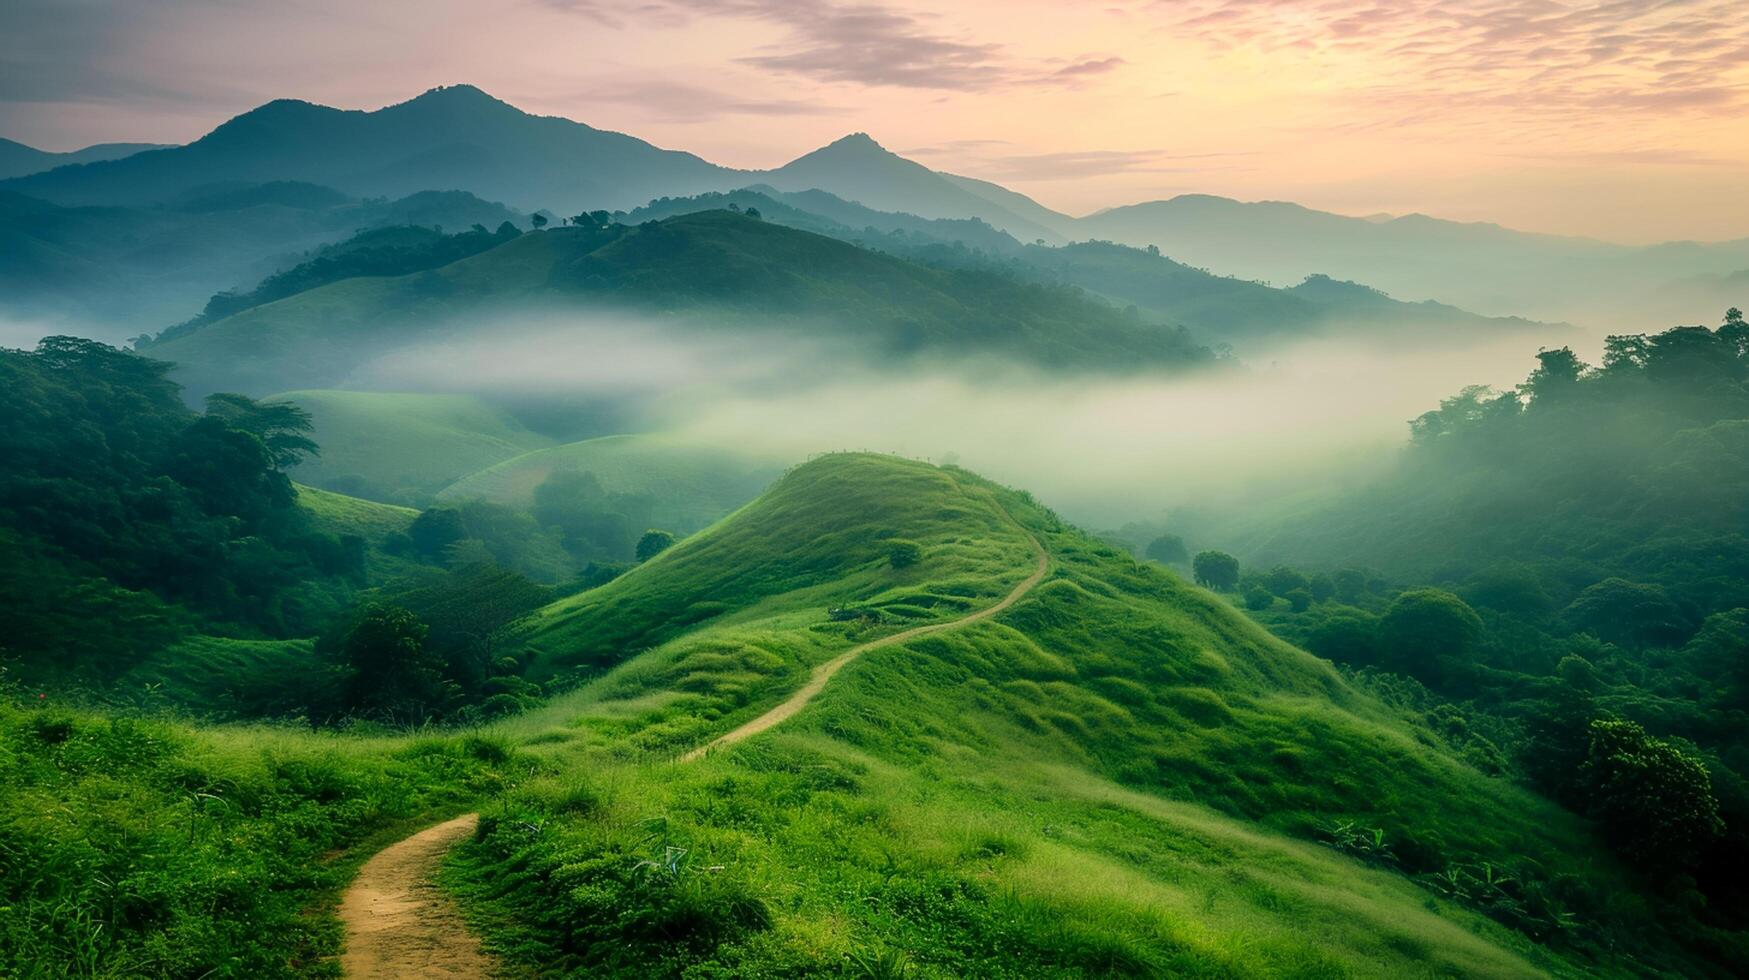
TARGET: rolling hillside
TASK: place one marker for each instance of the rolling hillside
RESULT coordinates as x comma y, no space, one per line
689,486
386,445
1118,755
712,270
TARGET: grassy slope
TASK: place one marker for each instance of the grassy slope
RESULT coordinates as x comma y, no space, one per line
692,485
406,443
1104,779
1107,777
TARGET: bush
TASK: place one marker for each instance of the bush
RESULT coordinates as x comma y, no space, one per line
904,554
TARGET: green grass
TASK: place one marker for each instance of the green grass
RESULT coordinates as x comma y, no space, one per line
1118,775
222,677
689,485
133,847
337,513
402,446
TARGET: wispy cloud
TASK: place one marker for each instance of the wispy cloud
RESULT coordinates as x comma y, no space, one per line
1558,59
861,41
991,162
682,102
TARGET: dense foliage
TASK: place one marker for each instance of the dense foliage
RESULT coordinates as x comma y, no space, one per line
118,501
1566,568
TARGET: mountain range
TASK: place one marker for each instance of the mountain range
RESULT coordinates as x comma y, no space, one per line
460,138
19,160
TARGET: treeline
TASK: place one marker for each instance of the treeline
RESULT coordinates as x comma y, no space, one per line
1564,593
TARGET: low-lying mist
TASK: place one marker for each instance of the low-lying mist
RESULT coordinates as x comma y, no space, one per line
1102,449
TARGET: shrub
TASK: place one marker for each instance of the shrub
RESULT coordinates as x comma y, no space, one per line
904,554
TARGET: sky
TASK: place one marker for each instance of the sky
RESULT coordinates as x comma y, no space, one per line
1626,120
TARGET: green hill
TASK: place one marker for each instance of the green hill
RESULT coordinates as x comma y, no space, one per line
1117,774
712,270
1107,777
404,446
1220,309
689,485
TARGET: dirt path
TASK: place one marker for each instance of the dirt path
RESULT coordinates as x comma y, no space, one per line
399,924
823,673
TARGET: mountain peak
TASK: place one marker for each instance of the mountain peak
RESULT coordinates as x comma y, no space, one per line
856,141
856,146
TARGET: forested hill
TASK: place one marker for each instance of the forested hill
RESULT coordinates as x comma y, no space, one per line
1218,309
1638,467
126,519
716,269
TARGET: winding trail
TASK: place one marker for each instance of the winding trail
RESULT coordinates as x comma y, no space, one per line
399,924
822,674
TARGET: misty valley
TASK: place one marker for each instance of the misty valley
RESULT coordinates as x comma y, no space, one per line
449,540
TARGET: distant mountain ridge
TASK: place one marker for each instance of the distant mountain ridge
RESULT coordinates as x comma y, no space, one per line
1476,265
458,137
20,160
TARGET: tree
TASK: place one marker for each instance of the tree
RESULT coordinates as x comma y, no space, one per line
1424,627
653,543
392,672
1735,332
1654,802
433,531
1350,584
1258,598
1215,570
1556,375
538,220
1168,549
1629,613
1281,580
1299,600
903,554
1350,636
281,426
1322,587
754,214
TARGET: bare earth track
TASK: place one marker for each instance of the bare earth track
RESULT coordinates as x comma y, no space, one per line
822,674
398,924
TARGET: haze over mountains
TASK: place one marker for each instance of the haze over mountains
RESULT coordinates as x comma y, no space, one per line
460,138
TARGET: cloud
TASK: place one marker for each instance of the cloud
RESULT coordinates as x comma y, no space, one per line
984,157
682,102
861,42
1558,59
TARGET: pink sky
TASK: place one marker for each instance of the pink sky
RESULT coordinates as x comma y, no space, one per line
1626,120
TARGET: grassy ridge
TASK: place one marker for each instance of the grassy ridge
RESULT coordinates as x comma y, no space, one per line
1075,787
